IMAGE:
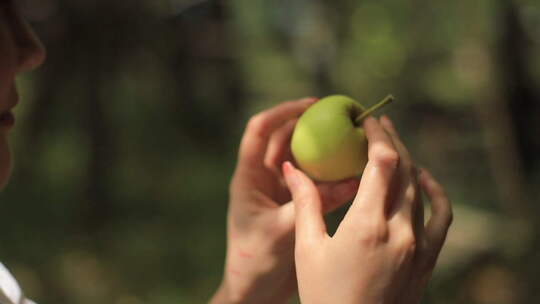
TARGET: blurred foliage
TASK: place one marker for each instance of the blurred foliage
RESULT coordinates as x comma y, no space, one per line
127,136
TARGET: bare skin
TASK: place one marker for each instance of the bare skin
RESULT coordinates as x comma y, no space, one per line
20,51
259,266
381,252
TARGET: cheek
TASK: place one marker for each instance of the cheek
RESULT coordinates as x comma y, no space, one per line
5,160
7,78
8,62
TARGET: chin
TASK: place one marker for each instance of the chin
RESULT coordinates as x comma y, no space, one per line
5,161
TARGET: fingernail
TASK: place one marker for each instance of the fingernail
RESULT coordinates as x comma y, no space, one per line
369,119
290,174
388,121
284,168
310,100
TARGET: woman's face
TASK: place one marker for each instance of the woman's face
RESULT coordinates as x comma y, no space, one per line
20,50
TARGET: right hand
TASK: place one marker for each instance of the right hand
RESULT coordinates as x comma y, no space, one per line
381,251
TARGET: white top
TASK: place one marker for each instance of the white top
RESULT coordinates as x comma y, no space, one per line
10,292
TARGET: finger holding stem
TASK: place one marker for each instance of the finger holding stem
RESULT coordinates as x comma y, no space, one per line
388,99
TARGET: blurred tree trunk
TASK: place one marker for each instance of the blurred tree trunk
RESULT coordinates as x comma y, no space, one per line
519,87
510,118
205,62
509,114
522,98
521,104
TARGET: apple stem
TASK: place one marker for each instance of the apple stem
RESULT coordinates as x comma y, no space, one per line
388,99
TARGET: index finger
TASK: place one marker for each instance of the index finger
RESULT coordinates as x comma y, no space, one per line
376,182
261,126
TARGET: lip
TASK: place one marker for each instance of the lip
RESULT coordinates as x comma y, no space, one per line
7,118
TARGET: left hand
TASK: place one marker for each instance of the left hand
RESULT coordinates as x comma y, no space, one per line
259,266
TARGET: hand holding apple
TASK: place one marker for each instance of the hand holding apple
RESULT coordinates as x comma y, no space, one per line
381,252
328,142
259,266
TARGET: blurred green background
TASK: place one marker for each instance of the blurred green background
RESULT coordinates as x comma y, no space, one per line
126,138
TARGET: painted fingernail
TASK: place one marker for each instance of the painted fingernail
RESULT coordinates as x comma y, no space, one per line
290,175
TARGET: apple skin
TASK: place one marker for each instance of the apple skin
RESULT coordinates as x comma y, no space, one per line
326,143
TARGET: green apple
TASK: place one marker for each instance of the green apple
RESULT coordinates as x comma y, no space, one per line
328,142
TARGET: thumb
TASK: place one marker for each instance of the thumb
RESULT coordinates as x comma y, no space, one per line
308,207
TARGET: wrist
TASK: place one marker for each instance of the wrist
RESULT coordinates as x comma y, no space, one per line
230,294
221,296
226,294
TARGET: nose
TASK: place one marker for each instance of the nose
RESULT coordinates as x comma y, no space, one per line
32,53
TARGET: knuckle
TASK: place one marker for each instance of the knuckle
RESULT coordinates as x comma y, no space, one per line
385,156
257,122
270,162
373,233
404,243
408,242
